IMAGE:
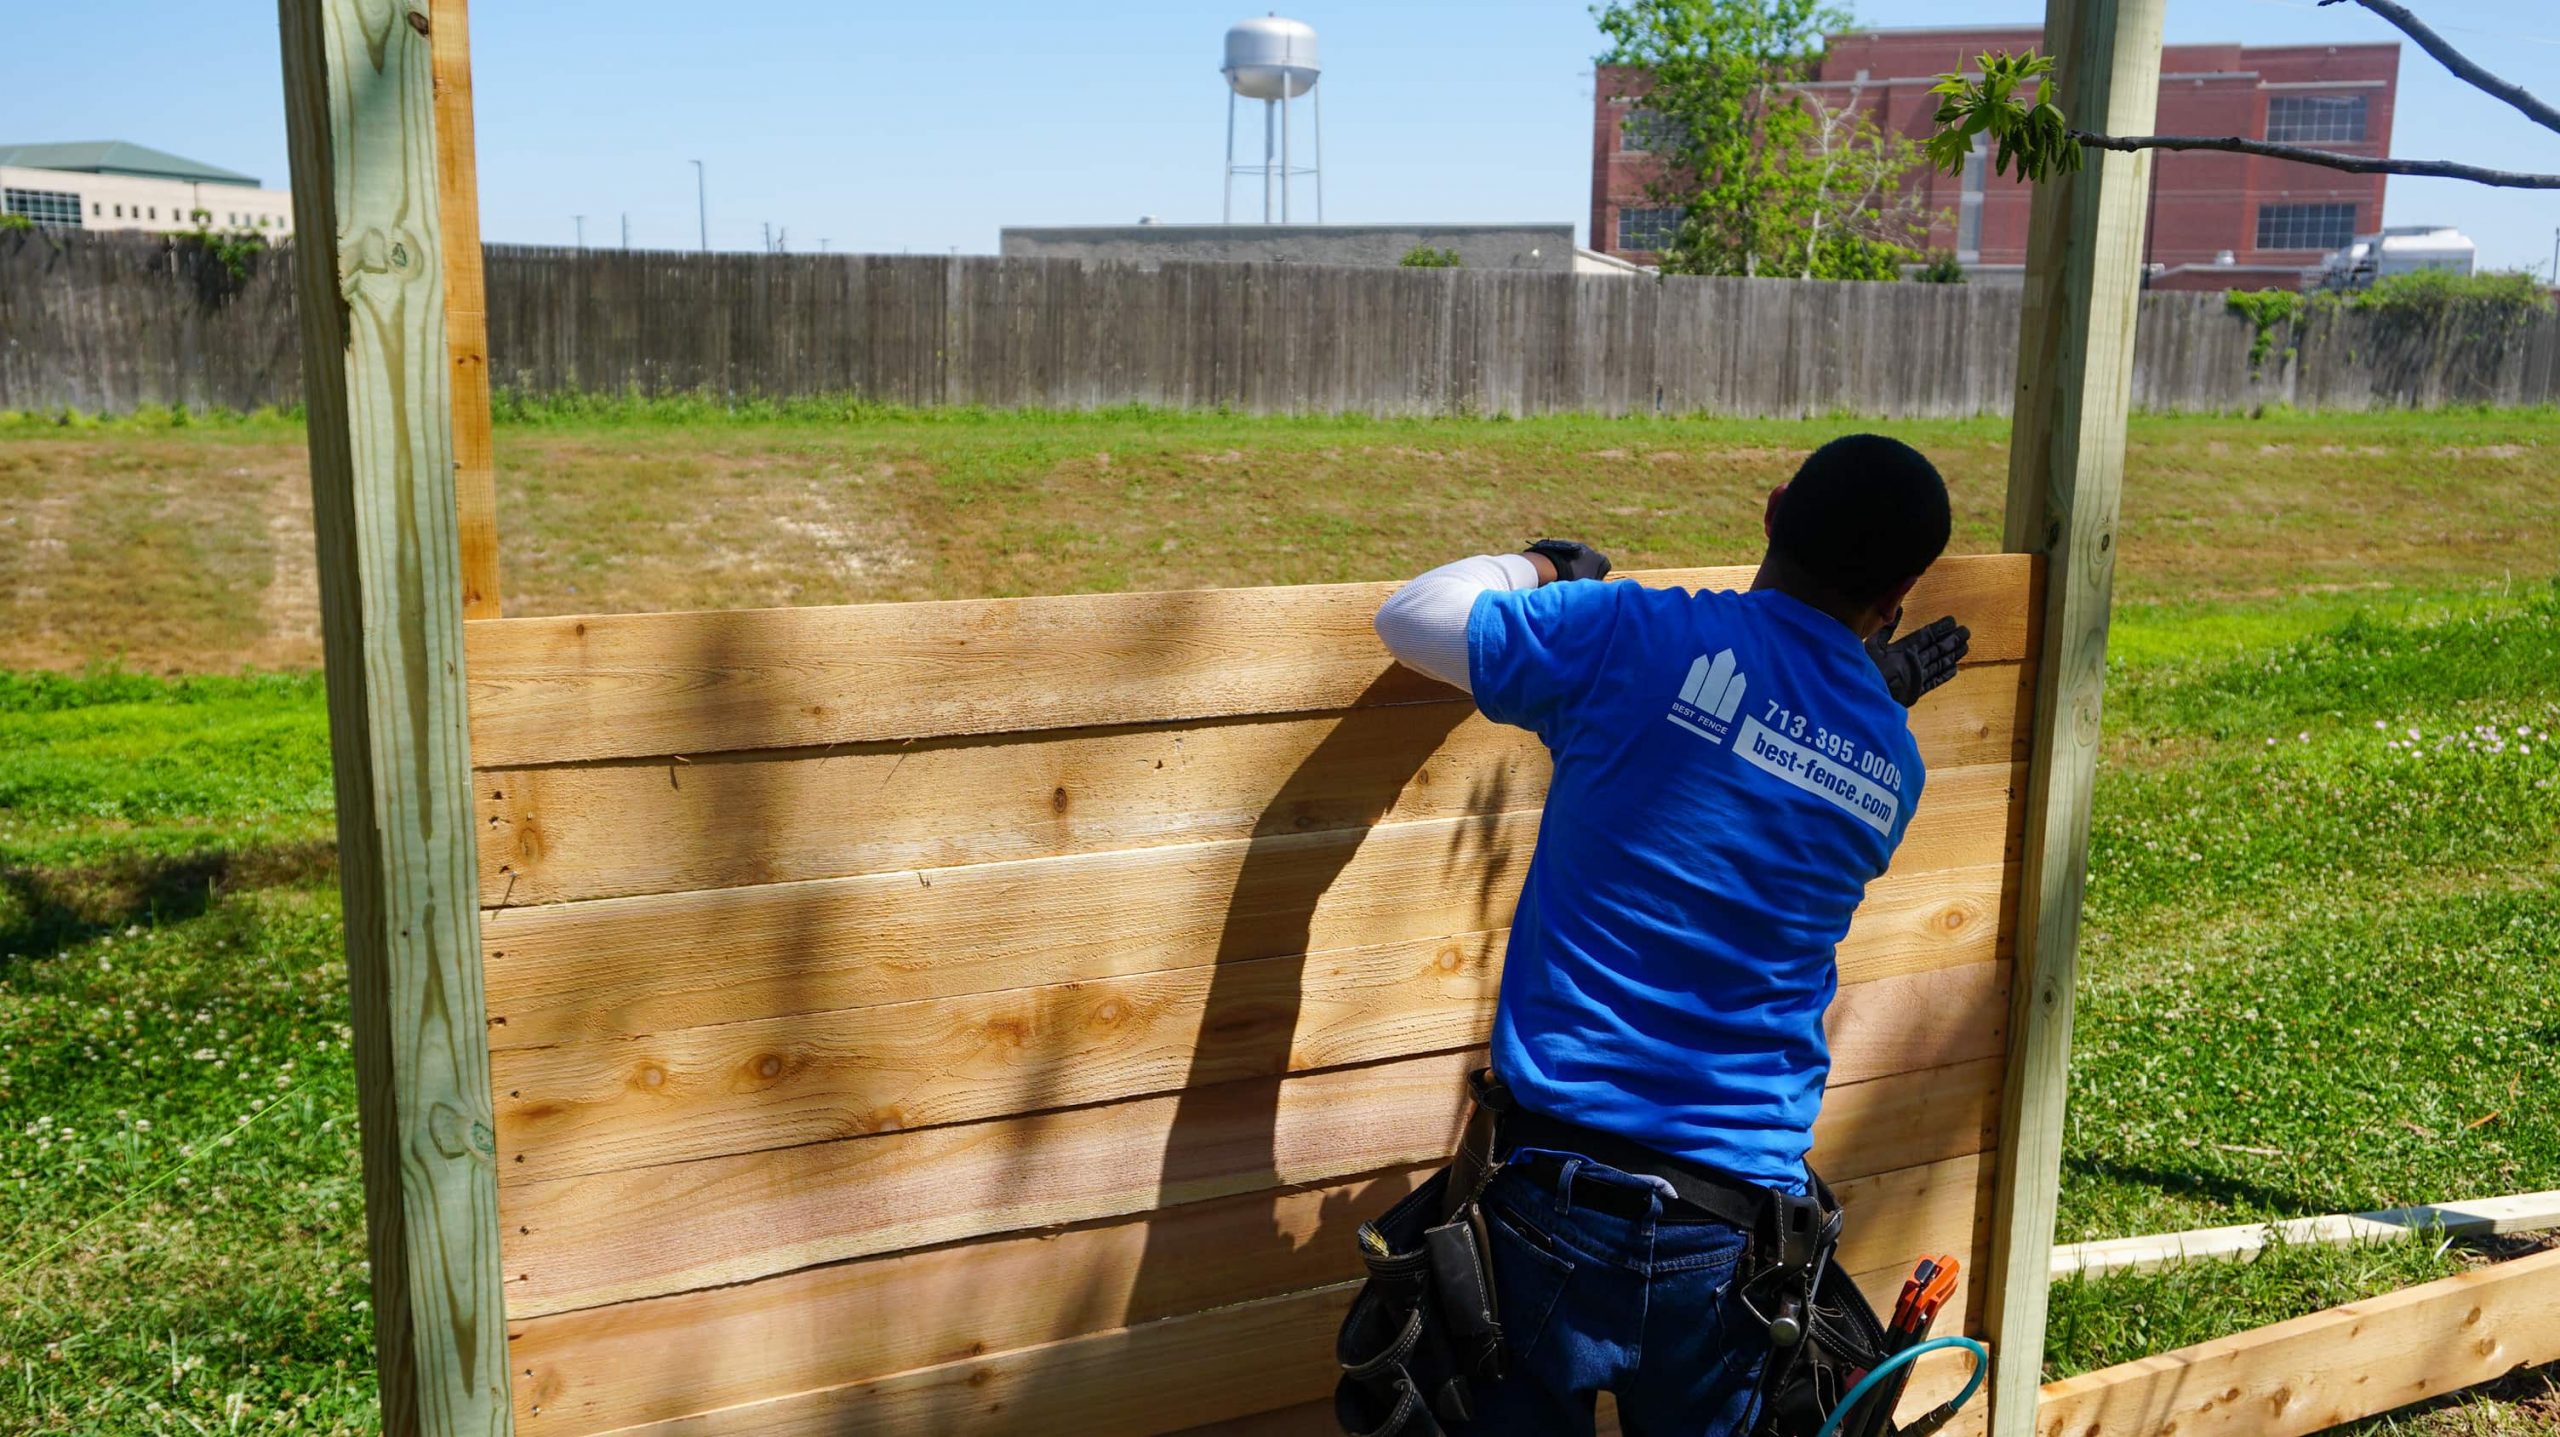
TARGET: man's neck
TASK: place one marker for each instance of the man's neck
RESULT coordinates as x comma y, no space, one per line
1775,573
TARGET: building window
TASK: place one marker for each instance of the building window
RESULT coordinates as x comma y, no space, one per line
1977,175
97,207
59,209
2300,118
1647,231
2322,227
1647,132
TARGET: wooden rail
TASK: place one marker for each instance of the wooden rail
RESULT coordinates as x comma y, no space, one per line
2330,1368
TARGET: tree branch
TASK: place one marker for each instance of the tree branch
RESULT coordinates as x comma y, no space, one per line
2541,112
2327,159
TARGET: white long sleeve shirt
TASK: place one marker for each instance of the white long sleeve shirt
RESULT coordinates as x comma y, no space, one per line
1424,624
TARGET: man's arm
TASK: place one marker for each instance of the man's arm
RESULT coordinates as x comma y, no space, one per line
1424,624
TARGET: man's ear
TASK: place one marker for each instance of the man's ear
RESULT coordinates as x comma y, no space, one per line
1891,604
1769,513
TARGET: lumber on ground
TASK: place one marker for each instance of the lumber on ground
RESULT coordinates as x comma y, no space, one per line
2066,475
377,377
2484,1217
2332,1367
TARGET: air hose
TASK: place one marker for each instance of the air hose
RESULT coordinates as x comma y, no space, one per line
1899,1360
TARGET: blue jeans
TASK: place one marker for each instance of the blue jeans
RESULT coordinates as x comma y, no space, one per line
1642,1306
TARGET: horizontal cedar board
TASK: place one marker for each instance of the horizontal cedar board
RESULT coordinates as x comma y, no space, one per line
621,827
781,1082
617,967
852,1322
583,1241
2330,1368
1177,1373
555,690
1208,1367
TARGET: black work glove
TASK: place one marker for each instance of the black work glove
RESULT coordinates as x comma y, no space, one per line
1915,665
1573,560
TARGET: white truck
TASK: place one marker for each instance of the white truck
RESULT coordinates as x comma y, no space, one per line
2398,249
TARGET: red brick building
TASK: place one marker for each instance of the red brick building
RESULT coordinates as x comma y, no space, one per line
2276,216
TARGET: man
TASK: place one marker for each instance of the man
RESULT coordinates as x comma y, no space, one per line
1731,770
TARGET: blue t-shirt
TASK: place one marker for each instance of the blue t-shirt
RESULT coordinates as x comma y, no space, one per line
1729,774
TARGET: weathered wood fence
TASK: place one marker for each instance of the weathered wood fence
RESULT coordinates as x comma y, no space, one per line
99,324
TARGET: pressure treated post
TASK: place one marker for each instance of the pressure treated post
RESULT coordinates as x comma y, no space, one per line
359,108
2066,473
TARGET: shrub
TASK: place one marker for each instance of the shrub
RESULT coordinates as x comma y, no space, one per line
2266,308
1423,256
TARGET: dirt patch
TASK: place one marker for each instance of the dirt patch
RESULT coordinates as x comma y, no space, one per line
289,610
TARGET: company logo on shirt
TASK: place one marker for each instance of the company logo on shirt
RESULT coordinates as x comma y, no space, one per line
1709,697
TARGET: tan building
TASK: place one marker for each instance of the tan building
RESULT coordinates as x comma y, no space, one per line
117,185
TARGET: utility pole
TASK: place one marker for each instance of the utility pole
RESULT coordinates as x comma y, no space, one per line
702,206
2555,256
581,221
822,244
626,229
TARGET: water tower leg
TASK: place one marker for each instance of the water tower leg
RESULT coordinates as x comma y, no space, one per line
1286,176
1227,205
1319,104
1268,112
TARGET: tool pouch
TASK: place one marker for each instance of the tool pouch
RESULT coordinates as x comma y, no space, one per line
1415,1342
1424,1336
1842,1341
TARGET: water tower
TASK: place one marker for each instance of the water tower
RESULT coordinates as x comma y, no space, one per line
1272,60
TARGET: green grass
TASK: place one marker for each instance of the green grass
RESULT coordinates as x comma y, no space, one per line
2318,952
184,1221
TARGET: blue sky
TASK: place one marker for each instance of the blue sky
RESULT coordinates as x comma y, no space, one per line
927,126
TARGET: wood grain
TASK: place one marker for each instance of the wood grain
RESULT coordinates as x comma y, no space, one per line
359,108
851,1322
583,1241
618,967
466,309
1180,1372
553,690
744,1087
618,828
609,1367
2328,1369
2066,478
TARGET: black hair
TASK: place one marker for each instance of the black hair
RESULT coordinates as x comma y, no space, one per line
1864,515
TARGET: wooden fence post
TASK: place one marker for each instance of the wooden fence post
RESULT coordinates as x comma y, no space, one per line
466,308
377,377
2066,473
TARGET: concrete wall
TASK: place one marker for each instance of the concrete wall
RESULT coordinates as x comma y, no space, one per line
104,324
1526,246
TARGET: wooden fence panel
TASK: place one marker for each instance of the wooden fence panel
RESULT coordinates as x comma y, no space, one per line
1119,952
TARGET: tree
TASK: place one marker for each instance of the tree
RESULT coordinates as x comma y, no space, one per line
2012,102
1766,176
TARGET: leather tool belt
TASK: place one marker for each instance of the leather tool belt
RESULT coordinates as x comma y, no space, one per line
1423,1341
